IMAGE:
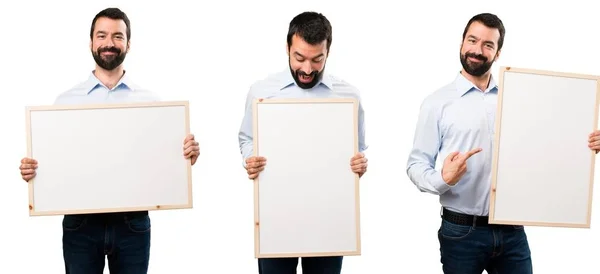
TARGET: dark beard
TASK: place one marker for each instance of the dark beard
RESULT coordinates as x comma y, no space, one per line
316,77
111,62
474,69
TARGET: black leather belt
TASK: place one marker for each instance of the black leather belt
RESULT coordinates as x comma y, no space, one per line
115,216
464,219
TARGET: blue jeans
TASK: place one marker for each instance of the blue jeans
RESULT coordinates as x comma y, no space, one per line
310,265
124,238
497,249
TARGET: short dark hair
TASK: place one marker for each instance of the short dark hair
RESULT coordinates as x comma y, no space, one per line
490,21
312,27
115,14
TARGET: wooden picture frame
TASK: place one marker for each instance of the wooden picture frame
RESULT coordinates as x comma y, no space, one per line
307,180
108,158
543,169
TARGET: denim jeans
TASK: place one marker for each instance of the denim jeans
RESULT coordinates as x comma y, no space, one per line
310,265
124,238
497,249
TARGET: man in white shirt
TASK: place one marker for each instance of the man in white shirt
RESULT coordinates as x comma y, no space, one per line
308,42
123,237
457,123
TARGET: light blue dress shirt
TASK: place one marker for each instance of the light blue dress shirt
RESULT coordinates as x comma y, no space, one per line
92,91
457,117
282,85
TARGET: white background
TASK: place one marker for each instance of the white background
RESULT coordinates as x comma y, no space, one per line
211,53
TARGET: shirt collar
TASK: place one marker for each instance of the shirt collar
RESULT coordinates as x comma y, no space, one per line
93,82
287,79
463,85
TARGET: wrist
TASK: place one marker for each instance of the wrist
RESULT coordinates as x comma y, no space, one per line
448,181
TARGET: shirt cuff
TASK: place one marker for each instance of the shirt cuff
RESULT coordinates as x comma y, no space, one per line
439,184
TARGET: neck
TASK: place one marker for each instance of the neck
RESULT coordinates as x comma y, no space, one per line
481,82
109,77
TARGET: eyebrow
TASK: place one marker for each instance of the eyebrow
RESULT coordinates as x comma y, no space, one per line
302,56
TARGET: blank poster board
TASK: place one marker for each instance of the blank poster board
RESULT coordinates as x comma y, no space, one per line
108,158
307,197
543,169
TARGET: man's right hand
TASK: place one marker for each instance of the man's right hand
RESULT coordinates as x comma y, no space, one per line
455,166
254,165
27,168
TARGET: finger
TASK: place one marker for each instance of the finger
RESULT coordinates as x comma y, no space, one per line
359,167
359,161
251,170
254,159
595,133
188,137
192,154
593,139
358,156
594,143
189,144
28,161
451,157
27,166
255,170
28,177
191,149
472,152
256,164
27,171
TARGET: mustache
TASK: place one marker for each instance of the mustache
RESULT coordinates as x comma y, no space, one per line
109,49
476,56
302,73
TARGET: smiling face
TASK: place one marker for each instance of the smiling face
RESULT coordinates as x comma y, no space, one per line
109,43
479,49
307,62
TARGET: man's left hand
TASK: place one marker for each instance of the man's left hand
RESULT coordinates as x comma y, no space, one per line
191,149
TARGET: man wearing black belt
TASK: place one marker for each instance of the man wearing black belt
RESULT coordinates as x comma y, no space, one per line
457,122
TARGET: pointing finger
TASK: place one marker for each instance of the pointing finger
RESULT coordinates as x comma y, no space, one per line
472,152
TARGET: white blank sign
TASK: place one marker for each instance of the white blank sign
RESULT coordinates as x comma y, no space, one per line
109,158
306,198
543,168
